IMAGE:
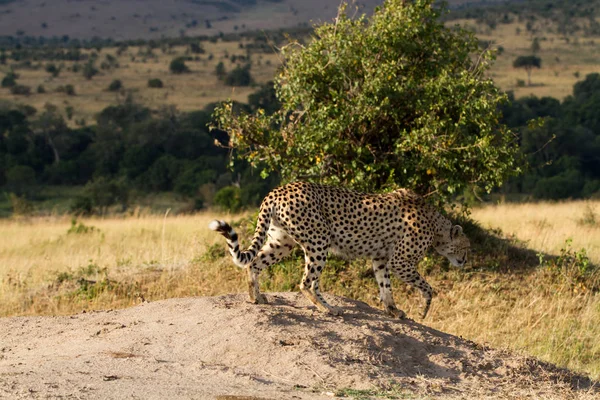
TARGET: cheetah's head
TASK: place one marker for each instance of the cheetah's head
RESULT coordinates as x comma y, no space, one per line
453,245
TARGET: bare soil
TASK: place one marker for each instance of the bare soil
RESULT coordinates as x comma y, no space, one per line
225,348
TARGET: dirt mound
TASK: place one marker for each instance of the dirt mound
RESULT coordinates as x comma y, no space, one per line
224,348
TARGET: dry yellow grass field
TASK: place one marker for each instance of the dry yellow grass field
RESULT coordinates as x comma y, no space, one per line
545,226
188,92
563,64
46,270
565,60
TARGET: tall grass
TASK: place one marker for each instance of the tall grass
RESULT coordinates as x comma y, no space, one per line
513,293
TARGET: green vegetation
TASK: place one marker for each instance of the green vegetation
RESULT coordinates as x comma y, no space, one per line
155,83
363,107
129,149
115,85
562,154
528,63
178,66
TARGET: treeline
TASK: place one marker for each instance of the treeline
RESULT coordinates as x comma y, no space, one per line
570,16
264,40
132,148
129,148
563,155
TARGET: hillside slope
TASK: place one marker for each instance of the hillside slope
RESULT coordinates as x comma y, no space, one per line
135,19
225,348
145,19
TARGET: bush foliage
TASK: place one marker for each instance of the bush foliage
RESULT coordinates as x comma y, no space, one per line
397,100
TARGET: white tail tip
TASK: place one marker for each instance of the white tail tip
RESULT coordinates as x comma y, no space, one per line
215,225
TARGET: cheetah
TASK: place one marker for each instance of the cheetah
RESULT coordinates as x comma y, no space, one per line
393,229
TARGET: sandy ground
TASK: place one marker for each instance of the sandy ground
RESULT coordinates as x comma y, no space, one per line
227,349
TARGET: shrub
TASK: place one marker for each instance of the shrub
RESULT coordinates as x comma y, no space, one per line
20,205
155,83
82,205
197,48
68,89
9,80
52,69
89,70
20,178
41,89
228,198
178,66
348,112
220,70
21,90
104,193
240,76
115,85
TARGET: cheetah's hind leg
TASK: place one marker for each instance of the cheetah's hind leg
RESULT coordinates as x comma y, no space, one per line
382,276
315,262
278,246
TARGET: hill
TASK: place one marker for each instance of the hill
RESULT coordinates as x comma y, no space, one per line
225,348
129,19
133,19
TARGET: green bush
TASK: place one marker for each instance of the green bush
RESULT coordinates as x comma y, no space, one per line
20,90
155,83
220,70
89,70
115,85
53,70
178,66
20,205
9,80
104,193
20,179
228,198
239,76
197,48
396,100
82,205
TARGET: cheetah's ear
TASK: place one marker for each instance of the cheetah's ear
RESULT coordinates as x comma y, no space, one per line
456,231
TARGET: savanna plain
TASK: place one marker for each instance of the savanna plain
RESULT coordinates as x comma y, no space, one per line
530,286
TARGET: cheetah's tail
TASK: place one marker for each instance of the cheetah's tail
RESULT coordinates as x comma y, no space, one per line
243,258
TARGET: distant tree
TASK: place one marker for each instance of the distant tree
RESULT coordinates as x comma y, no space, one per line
105,193
528,63
155,83
52,69
89,70
67,89
115,85
178,66
220,70
20,179
535,46
9,80
51,127
349,116
197,48
21,90
240,76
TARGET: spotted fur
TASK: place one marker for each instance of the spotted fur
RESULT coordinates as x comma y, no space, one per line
394,230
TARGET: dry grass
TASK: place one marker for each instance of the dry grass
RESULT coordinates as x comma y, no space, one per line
46,270
563,64
564,61
188,92
546,226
